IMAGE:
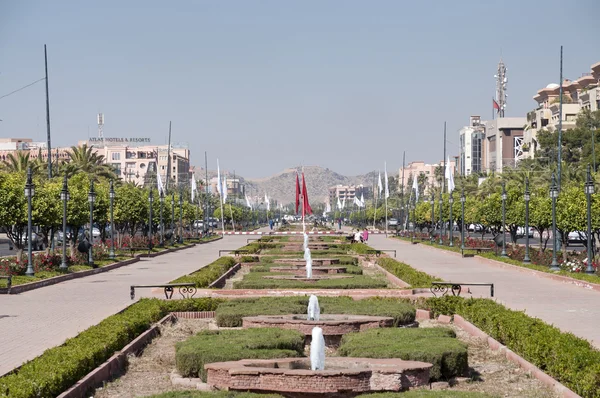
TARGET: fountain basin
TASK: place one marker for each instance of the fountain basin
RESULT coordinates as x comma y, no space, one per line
302,262
302,277
301,270
342,377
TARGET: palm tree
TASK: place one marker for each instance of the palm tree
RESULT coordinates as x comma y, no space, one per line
85,159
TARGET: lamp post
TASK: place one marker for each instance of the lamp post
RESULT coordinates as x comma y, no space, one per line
414,219
29,192
503,254
589,190
173,217
451,225
554,195
162,226
181,218
91,199
65,197
150,201
462,220
432,201
527,197
111,196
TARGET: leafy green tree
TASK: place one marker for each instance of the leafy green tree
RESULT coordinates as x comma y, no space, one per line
490,212
47,206
13,208
130,208
84,159
540,213
515,211
571,213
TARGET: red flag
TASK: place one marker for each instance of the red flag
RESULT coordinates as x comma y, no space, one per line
496,106
297,193
305,205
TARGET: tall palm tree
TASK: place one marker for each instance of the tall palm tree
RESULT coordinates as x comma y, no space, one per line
85,159
16,162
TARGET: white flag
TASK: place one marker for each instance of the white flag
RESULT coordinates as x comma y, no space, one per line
357,202
267,202
415,186
387,190
219,184
159,183
248,202
339,204
362,200
379,185
194,188
224,188
449,176
344,203
327,207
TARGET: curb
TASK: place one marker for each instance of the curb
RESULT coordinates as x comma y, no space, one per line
494,345
220,281
391,277
80,274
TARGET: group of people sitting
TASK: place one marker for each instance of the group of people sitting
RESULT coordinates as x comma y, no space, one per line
360,236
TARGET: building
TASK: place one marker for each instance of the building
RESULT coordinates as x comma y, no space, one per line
345,192
419,167
580,94
504,142
234,186
472,141
35,149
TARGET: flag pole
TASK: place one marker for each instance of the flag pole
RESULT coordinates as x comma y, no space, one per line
402,188
375,204
220,183
385,195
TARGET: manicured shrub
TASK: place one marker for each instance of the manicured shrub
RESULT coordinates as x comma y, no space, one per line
230,313
207,275
427,394
437,346
213,394
569,359
256,280
407,273
232,345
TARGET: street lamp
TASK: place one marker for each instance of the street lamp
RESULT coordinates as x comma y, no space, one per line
29,192
527,197
91,199
162,227
151,201
554,195
503,254
173,217
180,218
441,220
451,225
589,190
65,196
432,201
111,195
462,220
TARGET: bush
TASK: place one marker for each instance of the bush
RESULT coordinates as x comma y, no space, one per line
60,367
207,275
569,359
249,259
407,273
256,280
437,346
213,394
233,345
230,313
425,394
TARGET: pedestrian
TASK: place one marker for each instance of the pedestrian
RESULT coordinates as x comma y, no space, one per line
339,223
366,235
271,224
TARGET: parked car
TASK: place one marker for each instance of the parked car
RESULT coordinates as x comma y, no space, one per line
198,224
577,237
392,222
475,228
521,232
36,242
83,233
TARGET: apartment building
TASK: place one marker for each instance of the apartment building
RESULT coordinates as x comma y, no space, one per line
347,192
415,169
504,142
35,149
472,147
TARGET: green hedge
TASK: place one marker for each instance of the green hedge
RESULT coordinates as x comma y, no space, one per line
437,346
58,368
207,275
213,394
256,280
407,273
230,313
567,358
233,345
420,394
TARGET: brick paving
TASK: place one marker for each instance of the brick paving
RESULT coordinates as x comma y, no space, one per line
569,307
34,321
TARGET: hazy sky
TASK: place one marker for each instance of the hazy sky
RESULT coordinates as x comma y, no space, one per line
265,85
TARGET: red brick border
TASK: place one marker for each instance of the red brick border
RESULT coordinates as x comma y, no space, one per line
494,345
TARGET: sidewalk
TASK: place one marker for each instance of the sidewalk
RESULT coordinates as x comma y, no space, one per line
34,321
568,307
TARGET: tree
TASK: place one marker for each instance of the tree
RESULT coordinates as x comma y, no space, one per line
13,208
84,159
78,210
515,211
540,213
490,212
17,162
571,213
130,208
47,206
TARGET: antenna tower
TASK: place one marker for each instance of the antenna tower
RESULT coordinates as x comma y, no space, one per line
100,125
501,81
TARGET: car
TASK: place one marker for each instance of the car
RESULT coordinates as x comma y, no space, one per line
83,233
392,222
198,224
521,232
37,242
577,237
475,228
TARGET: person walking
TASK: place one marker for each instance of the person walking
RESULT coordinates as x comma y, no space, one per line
365,235
339,223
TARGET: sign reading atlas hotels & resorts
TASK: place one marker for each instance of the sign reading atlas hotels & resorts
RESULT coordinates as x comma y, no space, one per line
119,140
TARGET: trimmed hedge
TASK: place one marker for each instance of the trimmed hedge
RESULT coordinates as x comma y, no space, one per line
233,345
437,346
230,313
58,368
425,394
407,273
565,357
207,275
256,280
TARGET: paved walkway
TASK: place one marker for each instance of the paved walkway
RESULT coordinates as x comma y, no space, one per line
570,308
34,321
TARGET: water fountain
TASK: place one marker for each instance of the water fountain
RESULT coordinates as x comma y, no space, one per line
305,241
308,259
313,311
317,350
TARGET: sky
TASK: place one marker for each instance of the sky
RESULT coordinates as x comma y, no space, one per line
267,85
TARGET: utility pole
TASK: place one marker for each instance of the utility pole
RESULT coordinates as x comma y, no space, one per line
206,220
168,160
48,115
560,106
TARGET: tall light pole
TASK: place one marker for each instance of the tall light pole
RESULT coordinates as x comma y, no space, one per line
432,202
554,194
527,197
589,190
451,224
65,196
181,217
441,242
462,220
162,226
29,192
111,196
503,254
150,201
91,199
173,217
560,109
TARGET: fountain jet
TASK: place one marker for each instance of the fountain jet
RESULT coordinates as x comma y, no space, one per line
317,350
313,311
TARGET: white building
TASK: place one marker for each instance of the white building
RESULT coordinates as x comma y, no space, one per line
472,140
